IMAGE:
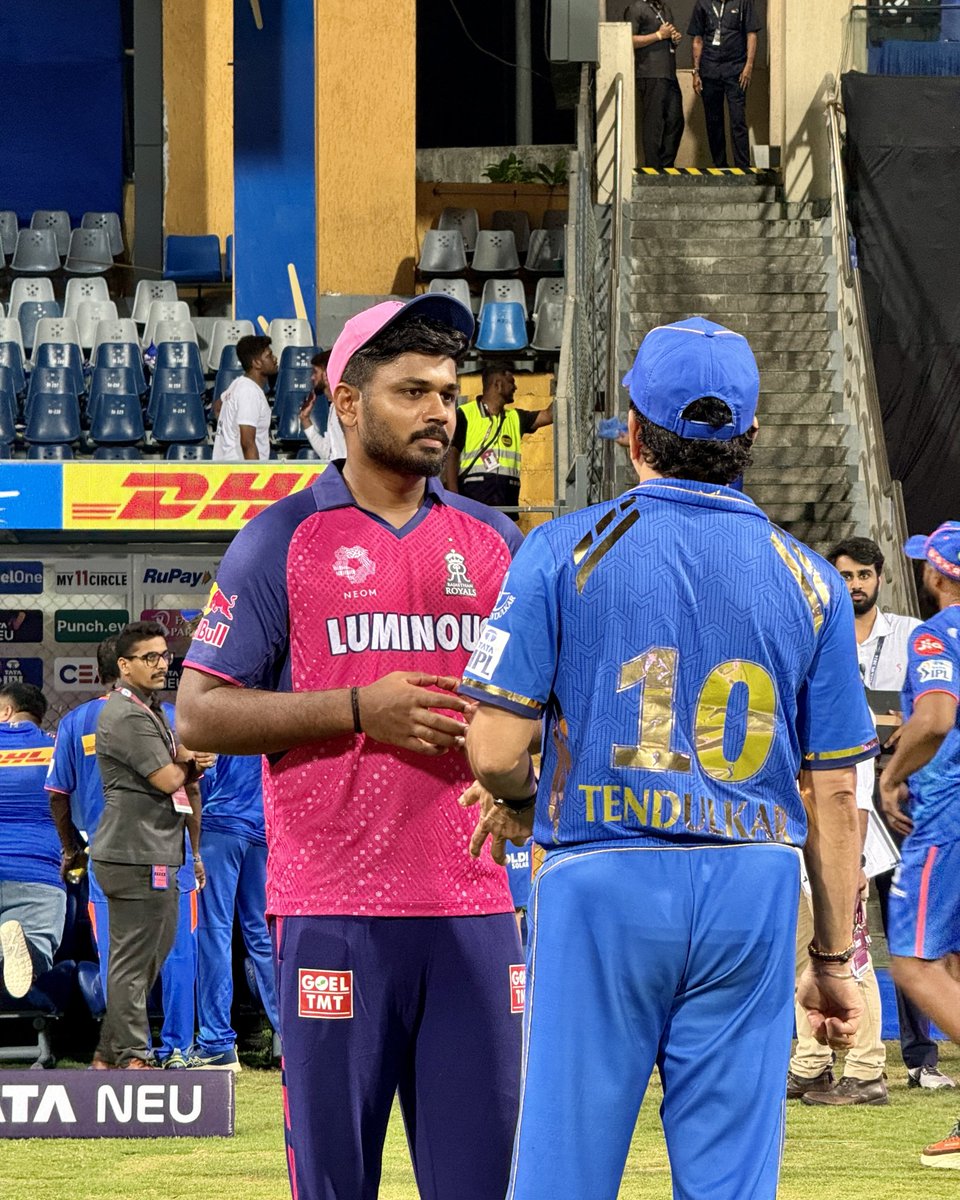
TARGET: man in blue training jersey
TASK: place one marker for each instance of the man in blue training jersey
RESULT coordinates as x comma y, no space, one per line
76,802
920,794
235,851
33,902
689,660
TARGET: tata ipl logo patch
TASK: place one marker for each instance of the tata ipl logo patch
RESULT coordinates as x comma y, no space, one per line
458,582
354,564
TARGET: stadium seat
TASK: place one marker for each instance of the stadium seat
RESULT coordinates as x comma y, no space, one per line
117,354
288,331
59,380
109,382
442,253
548,327
123,329
459,289
175,331
89,315
171,381
308,452
89,252
58,356
118,419
36,252
5,450
504,291
37,290
496,253
193,259
113,453
11,355
58,221
503,328
78,290
59,331
293,387
545,252
149,290
53,452
8,407
225,333
549,289
30,313
52,417
466,221
228,259
225,376
109,221
179,418
555,218
297,358
517,220
184,355
192,453
163,310
9,228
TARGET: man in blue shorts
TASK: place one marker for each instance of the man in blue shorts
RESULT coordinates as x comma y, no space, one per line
689,660
920,794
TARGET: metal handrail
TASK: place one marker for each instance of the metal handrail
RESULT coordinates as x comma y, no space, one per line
834,110
612,389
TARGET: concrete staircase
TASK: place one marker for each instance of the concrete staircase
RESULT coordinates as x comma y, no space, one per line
728,248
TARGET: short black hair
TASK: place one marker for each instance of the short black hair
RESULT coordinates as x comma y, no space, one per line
490,370
320,359
415,335
130,636
705,460
862,550
25,697
250,348
107,660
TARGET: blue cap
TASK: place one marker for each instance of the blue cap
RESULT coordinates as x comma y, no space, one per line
689,360
941,549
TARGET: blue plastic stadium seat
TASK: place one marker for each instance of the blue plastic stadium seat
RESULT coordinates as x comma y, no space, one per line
53,417
56,451
225,376
118,419
115,355
11,358
64,356
8,407
308,452
180,418
293,387
110,382
229,360
176,381
228,259
296,357
185,355
5,451
192,259
180,453
113,453
502,328
32,311
51,382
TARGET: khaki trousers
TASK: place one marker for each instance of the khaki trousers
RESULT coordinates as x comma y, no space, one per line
867,1057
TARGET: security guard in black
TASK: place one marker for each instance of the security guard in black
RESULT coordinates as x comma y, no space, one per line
655,60
724,36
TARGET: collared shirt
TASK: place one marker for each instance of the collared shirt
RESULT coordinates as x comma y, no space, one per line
883,665
687,657
659,59
139,824
314,594
29,846
723,25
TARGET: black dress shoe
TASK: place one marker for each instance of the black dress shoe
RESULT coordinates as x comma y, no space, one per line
851,1091
798,1085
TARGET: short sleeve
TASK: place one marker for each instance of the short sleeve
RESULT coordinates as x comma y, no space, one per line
932,664
515,661
460,433
697,26
834,724
751,19
528,419
133,737
62,775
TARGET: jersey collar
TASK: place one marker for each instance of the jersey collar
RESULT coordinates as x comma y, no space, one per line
330,490
704,495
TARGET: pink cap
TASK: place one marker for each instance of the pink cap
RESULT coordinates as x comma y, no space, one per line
359,330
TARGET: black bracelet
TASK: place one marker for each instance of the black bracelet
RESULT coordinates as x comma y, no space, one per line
355,705
516,804
841,956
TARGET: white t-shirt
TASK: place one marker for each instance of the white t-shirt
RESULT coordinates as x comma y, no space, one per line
328,446
243,403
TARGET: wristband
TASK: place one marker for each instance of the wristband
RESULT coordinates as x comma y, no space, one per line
355,706
516,804
840,956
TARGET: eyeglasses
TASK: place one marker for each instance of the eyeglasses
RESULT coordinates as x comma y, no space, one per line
154,657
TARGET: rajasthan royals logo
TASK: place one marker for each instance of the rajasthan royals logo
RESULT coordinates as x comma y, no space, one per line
353,563
458,583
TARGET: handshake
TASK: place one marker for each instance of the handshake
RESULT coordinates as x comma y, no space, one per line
667,30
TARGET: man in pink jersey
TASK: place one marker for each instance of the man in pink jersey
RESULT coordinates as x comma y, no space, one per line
345,615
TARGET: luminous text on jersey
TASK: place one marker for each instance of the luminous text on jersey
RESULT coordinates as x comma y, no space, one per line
357,633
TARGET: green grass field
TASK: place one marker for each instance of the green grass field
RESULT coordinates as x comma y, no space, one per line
830,1155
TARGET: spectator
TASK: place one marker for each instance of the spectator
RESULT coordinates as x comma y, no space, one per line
242,412
655,62
140,839
484,458
325,436
33,901
724,36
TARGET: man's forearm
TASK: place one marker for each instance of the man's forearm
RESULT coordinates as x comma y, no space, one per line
68,833
751,50
498,746
916,746
697,49
832,854
193,821
646,39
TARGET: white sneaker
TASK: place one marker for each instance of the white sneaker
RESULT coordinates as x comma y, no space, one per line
928,1077
17,963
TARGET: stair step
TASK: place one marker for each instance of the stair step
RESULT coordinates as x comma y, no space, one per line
811,458
776,405
654,226
681,264
817,535
696,246
668,209
729,304
838,511
706,180
658,193
759,324
797,381
682,282
767,495
792,360
765,476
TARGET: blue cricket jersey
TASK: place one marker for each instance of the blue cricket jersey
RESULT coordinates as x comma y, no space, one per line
688,658
233,798
29,846
933,665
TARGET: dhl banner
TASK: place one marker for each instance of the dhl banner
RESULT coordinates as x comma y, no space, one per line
128,496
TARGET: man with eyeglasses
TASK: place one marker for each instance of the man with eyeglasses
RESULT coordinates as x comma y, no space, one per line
140,840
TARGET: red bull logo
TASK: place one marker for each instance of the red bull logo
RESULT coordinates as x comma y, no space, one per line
219,605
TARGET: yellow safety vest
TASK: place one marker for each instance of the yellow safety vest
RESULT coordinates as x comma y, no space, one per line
492,444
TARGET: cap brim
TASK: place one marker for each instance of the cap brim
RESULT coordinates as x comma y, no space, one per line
436,306
916,546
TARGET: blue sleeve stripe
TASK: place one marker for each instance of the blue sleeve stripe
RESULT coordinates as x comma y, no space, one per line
513,702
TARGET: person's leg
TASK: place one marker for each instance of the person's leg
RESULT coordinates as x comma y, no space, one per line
251,908
346,1026
737,105
31,926
810,1059
178,978
673,123
727,1042
712,96
222,853
465,1072
652,92
99,913
602,969
867,1057
917,1047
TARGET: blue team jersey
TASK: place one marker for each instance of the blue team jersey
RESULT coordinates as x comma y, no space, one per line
73,769
933,665
232,792
29,846
687,656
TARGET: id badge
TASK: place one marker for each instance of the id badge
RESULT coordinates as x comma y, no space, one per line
181,802
716,37
159,878
490,460
861,944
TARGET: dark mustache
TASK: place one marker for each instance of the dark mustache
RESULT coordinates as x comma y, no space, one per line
439,435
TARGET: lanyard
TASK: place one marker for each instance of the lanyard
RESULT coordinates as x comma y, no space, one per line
872,674
718,9
167,733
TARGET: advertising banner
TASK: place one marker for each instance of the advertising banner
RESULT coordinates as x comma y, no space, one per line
21,625
21,670
176,575
31,495
21,578
91,576
85,624
76,674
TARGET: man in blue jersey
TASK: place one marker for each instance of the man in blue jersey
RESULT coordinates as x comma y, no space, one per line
689,660
76,802
920,794
235,852
33,902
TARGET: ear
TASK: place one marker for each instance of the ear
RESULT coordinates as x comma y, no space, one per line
633,433
346,400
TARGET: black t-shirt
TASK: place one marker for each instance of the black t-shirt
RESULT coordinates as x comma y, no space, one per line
735,19
659,59
498,490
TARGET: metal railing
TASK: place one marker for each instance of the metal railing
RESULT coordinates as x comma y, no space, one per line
888,524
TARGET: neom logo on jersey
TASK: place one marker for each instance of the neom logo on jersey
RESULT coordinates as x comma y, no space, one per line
360,632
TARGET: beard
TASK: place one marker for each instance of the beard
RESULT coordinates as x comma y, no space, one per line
861,607
384,448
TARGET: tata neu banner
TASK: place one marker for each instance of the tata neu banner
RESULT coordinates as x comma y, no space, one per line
116,1104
